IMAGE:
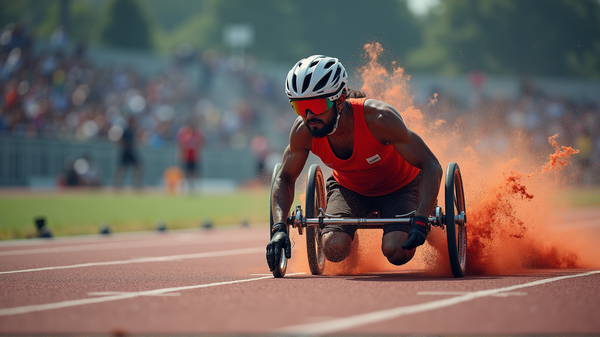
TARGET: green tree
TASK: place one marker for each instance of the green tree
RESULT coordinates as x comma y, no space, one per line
518,37
287,30
11,11
169,15
41,17
126,26
83,19
37,16
342,28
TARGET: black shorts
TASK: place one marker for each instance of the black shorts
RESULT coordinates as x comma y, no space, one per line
349,204
128,158
190,167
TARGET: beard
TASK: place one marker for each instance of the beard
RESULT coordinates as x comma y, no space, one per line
324,131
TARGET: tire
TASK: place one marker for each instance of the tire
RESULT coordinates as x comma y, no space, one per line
315,198
281,261
456,231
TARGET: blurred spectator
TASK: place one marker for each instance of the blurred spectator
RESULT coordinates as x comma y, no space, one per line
10,96
89,172
69,177
190,141
59,39
81,172
261,148
172,178
128,156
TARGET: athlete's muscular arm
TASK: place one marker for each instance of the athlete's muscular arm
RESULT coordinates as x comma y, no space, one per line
388,127
294,158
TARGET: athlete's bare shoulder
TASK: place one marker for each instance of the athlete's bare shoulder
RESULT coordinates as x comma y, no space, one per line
383,120
300,138
378,110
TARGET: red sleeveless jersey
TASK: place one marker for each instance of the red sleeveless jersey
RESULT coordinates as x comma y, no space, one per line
373,169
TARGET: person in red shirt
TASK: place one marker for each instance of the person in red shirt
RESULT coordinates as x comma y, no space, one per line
378,163
190,141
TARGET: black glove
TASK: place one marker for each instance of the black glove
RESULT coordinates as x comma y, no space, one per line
279,240
418,232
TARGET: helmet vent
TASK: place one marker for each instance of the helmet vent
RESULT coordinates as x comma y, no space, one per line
337,72
314,63
337,75
294,78
306,82
322,82
329,64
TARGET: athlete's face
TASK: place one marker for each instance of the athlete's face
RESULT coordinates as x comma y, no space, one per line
321,125
320,115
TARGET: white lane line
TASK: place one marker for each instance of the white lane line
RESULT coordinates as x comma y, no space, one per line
514,293
148,259
350,322
120,296
108,293
130,244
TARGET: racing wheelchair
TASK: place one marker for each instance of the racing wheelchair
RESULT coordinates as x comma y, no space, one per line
454,221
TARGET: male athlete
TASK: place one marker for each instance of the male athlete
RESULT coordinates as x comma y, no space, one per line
190,141
379,165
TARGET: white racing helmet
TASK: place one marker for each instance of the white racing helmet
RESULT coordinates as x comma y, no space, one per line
315,77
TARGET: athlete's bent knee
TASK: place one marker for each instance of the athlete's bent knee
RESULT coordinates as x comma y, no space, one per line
336,246
399,259
395,254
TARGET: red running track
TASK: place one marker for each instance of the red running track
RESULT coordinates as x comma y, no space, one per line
206,282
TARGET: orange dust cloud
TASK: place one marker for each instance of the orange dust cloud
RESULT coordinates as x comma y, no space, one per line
512,218
560,158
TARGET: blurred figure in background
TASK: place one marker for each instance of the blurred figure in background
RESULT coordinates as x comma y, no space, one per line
128,157
69,177
80,172
261,148
190,141
91,174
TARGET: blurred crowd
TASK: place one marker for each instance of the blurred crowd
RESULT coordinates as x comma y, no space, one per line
59,92
500,125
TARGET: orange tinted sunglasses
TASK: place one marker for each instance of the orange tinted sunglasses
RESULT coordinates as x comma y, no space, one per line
317,106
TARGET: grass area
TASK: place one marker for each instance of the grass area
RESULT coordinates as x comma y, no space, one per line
77,213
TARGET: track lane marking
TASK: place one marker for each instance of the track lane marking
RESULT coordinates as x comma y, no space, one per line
516,293
120,296
346,323
128,244
107,293
147,259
